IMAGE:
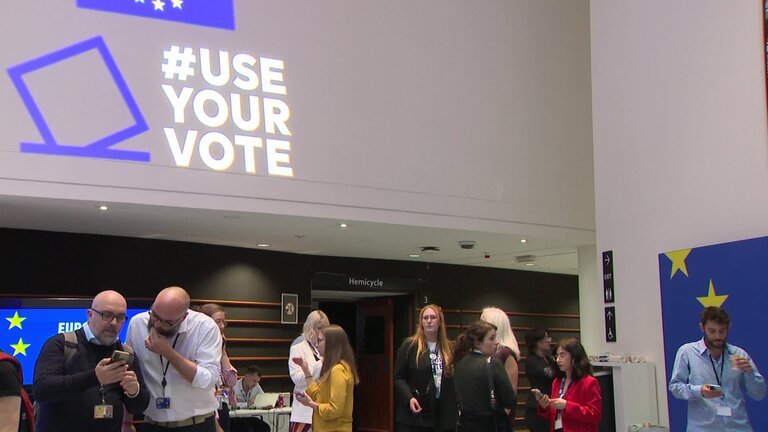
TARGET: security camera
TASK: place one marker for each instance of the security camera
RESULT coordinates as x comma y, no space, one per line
467,244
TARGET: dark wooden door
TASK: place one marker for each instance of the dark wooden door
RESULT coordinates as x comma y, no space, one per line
375,359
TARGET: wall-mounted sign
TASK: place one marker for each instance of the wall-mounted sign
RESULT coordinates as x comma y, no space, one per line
608,290
290,309
610,324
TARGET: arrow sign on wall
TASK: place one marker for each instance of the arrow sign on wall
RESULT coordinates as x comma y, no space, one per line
610,324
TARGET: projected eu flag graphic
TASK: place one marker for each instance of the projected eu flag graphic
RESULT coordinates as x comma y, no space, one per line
23,331
209,13
729,275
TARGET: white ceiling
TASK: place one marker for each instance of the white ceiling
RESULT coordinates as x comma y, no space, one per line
295,234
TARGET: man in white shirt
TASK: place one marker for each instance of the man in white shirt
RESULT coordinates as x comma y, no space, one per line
248,387
180,353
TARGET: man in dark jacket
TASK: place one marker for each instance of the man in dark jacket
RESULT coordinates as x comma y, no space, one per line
78,387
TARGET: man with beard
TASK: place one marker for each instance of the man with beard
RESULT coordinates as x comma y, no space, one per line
180,352
77,386
713,375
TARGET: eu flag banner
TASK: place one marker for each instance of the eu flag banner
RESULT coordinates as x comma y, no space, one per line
208,13
729,275
23,331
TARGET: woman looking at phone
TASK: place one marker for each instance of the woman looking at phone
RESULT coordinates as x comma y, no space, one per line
305,346
331,396
424,394
578,405
224,391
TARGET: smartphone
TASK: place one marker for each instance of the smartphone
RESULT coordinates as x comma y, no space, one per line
715,387
118,355
537,393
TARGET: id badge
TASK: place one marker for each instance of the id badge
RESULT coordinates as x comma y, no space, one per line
102,412
724,411
163,403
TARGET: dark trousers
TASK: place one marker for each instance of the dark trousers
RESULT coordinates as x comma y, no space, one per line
535,422
475,423
249,424
224,417
208,425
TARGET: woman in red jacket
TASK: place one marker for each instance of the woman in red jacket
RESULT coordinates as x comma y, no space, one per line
577,406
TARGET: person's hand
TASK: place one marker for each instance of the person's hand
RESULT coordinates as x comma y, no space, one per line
741,363
302,364
414,405
157,343
708,393
128,427
108,373
543,401
304,399
130,383
557,403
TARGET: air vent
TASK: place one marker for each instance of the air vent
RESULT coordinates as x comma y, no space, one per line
525,258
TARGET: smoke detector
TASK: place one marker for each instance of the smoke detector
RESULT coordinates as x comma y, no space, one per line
429,249
467,244
525,258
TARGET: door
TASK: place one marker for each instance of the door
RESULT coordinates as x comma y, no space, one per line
374,361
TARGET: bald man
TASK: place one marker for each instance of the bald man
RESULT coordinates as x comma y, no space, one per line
88,391
180,352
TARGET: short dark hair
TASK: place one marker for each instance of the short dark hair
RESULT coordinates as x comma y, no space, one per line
253,370
534,336
581,365
716,314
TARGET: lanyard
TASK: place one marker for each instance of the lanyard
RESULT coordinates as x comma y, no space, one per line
563,388
717,377
165,371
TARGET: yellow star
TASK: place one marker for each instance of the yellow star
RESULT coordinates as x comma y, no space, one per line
20,347
15,320
177,3
678,261
158,4
712,299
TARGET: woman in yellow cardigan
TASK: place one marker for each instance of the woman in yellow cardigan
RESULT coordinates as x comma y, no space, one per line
330,397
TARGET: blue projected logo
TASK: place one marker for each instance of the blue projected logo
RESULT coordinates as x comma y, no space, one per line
208,13
99,148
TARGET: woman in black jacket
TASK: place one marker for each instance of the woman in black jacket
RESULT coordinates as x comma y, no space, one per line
424,395
540,370
483,389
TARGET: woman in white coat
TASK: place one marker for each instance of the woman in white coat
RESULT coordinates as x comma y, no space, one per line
305,346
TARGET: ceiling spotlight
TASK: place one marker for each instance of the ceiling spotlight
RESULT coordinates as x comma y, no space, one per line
414,255
530,264
263,245
522,240
103,208
343,225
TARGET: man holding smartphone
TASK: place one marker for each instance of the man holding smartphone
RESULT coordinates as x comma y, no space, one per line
78,386
713,375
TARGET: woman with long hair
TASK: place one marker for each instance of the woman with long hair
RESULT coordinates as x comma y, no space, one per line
483,390
425,396
224,391
578,405
507,350
330,397
305,347
540,371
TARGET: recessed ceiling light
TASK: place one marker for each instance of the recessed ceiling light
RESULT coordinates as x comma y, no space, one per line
523,241
414,255
343,225
103,208
530,264
263,245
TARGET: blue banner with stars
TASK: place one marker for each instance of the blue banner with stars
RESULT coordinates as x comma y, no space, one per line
23,331
209,13
731,276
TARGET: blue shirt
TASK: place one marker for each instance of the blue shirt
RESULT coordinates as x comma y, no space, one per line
694,367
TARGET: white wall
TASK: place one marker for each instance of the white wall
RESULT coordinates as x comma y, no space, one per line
471,115
680,145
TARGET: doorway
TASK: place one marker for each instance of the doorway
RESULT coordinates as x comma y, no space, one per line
376,327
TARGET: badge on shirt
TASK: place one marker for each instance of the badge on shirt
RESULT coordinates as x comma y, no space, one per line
102,411
163,403
724,411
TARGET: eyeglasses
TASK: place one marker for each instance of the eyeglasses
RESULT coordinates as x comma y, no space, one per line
168,323
221,323
109,316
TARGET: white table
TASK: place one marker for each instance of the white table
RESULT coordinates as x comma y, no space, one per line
276,418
